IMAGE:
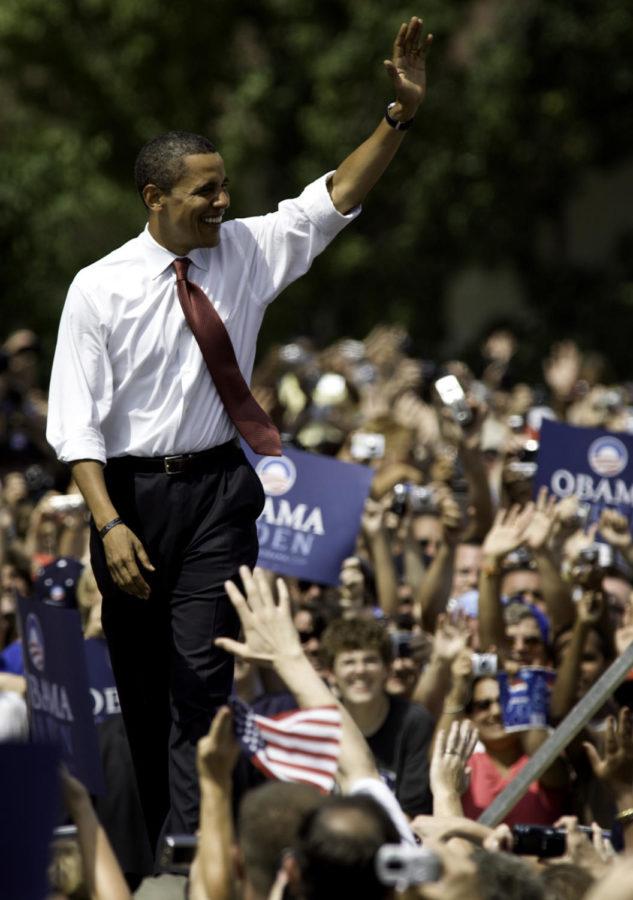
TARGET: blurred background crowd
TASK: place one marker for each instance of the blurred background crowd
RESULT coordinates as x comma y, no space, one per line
462,580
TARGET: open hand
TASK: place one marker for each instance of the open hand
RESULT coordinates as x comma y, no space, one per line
616,766
449,771
269,631
508,531
540,526
407,66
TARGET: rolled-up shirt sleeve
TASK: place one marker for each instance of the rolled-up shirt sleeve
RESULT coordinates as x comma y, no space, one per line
289,239
80,393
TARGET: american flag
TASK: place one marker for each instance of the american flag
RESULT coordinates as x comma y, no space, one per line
301,746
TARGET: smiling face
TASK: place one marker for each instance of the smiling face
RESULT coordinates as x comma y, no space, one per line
360,676
526,640
190,214
485,712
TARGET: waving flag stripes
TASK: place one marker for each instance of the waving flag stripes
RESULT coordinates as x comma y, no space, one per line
301,745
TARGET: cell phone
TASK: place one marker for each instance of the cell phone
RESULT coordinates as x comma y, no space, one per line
452,395
484,664
177,853
543,840
400,865
367,445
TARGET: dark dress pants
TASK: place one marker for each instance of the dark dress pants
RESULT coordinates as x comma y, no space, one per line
197,530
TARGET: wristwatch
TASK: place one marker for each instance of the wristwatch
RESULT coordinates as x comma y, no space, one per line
399,126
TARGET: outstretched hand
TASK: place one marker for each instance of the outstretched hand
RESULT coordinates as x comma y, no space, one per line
407,66
616,766
269,631
449,771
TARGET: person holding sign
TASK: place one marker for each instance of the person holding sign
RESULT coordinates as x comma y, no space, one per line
148,393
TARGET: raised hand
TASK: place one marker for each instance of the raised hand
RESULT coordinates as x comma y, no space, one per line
218,750
615,529
540,526
508,531
449,771
407,66
616,766
268,628
451,636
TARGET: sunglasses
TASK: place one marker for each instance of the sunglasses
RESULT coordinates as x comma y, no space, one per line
483,705
530,641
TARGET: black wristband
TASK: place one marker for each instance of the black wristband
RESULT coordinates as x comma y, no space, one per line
399,126
109,526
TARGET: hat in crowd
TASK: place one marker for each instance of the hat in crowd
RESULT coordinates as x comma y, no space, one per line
56,583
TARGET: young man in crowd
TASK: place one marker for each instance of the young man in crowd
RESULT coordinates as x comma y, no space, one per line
358,654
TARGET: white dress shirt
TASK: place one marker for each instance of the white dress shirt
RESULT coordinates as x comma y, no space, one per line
128,377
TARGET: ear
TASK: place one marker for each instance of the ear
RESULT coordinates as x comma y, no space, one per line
153,197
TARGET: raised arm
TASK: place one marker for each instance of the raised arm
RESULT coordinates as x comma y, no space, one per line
360,171
103,875
212,870
505,536
556,593
271,639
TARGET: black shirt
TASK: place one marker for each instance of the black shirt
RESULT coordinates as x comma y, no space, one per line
401,749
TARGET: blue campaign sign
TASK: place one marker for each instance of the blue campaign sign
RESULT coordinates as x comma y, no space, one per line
105,698
57,683
31,808
593,464
312,513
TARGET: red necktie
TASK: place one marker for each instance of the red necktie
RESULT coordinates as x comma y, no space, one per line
255,426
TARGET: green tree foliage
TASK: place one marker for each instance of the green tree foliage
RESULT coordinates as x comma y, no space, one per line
525,99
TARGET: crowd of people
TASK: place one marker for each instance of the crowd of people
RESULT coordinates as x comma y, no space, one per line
464,584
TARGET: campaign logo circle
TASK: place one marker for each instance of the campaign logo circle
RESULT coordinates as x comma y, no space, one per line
608,456
277,474
35,641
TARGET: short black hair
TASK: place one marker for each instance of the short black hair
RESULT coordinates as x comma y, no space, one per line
336,848
161,160
268,819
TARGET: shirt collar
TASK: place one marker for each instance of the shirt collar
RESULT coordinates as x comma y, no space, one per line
159,258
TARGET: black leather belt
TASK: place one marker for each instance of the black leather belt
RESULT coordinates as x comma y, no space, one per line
181,464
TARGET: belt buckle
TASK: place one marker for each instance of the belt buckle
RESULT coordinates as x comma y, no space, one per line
175,465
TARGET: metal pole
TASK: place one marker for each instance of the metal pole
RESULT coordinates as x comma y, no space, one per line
574,722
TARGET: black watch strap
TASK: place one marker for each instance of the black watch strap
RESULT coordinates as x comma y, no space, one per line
399,126
109,526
